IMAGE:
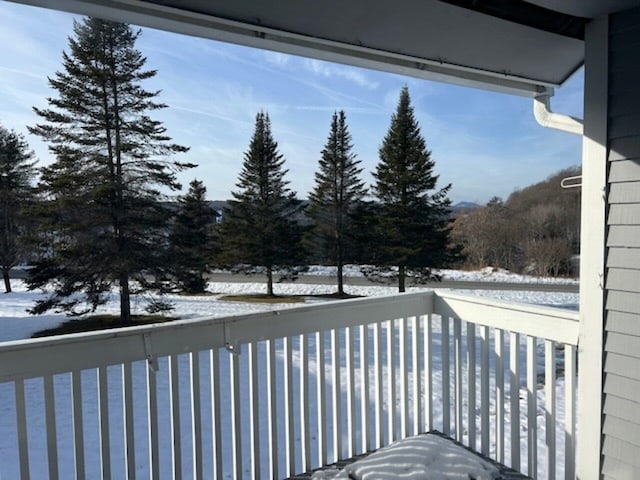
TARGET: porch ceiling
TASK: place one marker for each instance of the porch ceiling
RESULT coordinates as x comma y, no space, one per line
508,45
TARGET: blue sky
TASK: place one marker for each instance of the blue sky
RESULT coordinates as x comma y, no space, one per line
484,143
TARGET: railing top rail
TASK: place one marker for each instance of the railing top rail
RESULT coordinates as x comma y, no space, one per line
549,323
38,357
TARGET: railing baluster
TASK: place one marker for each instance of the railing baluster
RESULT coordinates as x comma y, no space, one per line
364,389
52,434
130,448
415,366
288,407
550,407
152,418
404,379
176,431
377,366
236,423
254,400
446,380
321,399
428,371
514,391
569,411
290,462
196,408
103,420
532,380
304,403
391,382
21,419
190,427
351,404
78,430
337,406
484,390
271,407
457,339
471,384
216,414
499,357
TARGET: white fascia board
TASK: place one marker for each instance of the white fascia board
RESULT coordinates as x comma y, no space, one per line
171,19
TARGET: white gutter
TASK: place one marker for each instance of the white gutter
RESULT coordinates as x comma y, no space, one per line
546,118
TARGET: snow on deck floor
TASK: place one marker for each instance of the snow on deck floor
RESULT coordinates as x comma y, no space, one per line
423,457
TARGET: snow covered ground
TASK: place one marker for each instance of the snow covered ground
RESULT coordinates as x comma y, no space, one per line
487,274
15,324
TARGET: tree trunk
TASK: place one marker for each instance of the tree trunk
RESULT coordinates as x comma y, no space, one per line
401,276
269,282
340,280
125,301
7,281
340,262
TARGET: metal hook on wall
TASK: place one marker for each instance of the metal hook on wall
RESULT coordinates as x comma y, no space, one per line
571,182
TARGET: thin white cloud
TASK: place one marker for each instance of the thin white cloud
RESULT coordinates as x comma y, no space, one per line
276,58
329,70
332,108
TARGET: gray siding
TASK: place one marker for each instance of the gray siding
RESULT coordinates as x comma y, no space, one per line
621,402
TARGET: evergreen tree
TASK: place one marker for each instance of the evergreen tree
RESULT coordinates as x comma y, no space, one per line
103,190
413,224
260,226
16,193
193,242
338,190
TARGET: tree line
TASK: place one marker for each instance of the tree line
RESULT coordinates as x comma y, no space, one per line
98,219
536,230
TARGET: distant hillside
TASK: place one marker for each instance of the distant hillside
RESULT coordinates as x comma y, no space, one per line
536,230
464,207
218,204
458,207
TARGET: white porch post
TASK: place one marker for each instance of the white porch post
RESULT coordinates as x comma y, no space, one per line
592,251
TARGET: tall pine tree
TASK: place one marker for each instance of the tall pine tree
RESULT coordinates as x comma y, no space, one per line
112,160
193,239
260,226
413,222
16,193
337,192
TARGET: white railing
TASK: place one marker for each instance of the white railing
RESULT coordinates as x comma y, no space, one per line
272,394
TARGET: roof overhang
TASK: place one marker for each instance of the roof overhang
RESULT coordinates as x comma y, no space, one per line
506,45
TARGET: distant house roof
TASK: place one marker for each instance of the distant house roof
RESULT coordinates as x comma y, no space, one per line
508,45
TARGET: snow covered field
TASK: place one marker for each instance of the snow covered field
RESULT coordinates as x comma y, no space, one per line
487,274
15,324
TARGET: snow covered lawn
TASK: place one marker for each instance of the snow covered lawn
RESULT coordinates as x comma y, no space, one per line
16,323
487,274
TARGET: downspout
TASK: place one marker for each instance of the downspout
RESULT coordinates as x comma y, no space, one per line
547,118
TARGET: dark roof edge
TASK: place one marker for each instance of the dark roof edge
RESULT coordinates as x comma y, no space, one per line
528,14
